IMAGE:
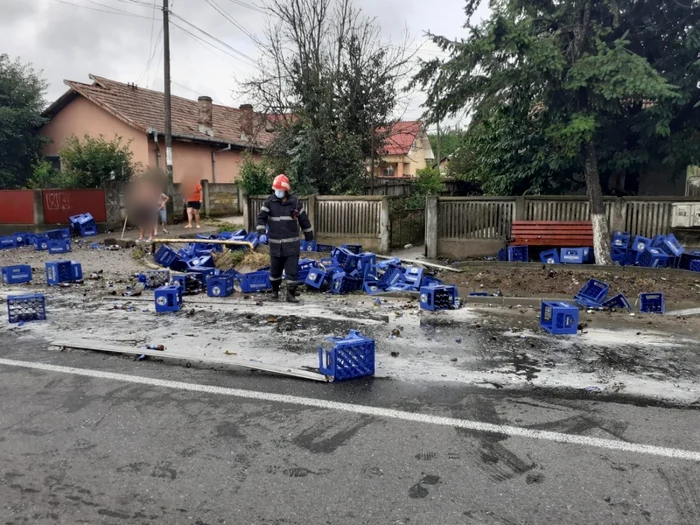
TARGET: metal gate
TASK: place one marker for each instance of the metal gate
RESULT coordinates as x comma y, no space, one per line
407,227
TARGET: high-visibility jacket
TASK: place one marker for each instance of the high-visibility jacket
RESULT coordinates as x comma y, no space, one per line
283,218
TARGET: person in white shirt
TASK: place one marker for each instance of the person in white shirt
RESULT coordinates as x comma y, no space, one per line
162,214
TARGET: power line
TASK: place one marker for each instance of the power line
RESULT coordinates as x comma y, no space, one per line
248,6
150,45
115,12
228,17
201,41
233,49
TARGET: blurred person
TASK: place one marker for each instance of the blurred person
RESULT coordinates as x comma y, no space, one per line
192,192
143,197
162,214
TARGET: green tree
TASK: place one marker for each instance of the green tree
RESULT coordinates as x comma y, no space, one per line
596,96
22,93
450,141
325,64
90,162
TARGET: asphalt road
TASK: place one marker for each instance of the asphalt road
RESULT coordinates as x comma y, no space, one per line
88,450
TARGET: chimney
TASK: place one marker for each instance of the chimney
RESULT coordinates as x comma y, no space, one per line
204,117
246,122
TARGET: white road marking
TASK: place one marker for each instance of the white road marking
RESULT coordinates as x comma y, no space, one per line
369,411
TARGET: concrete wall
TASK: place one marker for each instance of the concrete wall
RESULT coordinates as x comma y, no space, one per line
222,200
82,117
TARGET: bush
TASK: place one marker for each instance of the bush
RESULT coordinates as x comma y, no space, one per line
256,177
91,162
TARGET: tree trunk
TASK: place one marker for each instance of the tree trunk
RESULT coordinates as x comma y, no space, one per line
601,232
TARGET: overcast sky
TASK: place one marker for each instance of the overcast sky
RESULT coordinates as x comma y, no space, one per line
69,39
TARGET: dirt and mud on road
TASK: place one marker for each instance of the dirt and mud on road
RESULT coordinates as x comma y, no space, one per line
644,358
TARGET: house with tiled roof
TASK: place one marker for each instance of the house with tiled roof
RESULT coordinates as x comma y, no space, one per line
208,139
406,150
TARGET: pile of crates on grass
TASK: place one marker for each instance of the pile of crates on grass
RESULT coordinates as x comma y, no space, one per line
594,295
663,251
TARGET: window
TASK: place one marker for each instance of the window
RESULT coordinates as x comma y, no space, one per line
55,161
389,172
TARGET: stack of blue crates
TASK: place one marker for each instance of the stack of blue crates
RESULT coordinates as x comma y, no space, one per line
18,274
559,318
83,225
351,357
24,308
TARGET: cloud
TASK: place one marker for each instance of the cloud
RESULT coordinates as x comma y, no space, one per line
71,41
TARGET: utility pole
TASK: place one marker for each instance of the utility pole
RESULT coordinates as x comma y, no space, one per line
168,110
371,130
439,159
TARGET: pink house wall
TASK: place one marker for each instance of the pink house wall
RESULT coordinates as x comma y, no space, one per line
82,116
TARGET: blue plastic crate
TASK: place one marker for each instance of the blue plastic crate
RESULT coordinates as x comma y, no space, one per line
346,259
368,266
203,273
391,277
76,271
657,241
389,263
41,243
220,286
342,283
255,282
17,274
22,238
435,298
7,243
694,265
189,283
621,239
549,257
653,258
639,244
304,267
651,303
429,280
618,302
571,256
518,254
24,308
153,279
503,254
618,254
559,317
165,256
324,248
168,298
671,246
201,249
59,246
307,246
59,234
253,238
371,287
632,257
593,294
351,357
329,264
205,261
413,277
315,278
353,248
58,272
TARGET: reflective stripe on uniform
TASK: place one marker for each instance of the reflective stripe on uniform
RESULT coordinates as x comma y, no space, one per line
277,219
280,241
276,278
265,209
261,228
308,231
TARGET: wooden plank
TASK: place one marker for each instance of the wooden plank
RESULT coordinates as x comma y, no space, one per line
423,263
274,369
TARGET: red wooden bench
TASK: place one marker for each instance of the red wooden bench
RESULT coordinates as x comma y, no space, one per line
566,234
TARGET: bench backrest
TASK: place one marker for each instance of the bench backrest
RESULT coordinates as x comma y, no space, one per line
569,234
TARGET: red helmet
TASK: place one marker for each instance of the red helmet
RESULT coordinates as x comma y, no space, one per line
281,182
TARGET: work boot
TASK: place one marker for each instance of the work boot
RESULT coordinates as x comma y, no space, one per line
291,293
276,290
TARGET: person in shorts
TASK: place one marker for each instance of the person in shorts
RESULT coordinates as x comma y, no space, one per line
162,213
194,204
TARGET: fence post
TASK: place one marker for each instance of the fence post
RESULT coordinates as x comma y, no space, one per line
431,226
241,199
205,196
520,209
38,207
311,212
384,227
247,223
